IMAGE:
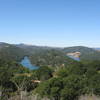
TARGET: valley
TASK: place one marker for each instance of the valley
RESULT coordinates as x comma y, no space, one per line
48,73
26,63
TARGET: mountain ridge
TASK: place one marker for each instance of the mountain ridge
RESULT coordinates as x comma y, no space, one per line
86,52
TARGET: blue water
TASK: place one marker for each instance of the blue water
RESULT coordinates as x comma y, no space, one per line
26,63
74,58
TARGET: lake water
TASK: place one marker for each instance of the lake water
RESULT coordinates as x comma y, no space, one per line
74,58
27,63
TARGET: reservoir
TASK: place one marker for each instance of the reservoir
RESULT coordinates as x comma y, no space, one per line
74,58
27,63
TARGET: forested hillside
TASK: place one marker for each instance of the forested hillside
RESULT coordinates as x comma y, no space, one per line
72,82
86,53
58,77
33,49
65,83
42,55
51,58
8,69
11,52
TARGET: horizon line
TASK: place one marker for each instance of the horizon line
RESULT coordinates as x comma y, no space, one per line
52,46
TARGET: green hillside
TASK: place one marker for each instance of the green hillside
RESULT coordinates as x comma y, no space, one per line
86,53
58,78
10,52
34,49
51,57
40,55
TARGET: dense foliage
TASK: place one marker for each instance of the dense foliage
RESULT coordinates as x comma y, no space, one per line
86,53
10,52
65,83
58,78
8,70
52,58
72,81
16,52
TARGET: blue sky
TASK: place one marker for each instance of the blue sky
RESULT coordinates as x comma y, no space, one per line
60,23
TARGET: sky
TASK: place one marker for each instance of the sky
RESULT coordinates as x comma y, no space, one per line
59,23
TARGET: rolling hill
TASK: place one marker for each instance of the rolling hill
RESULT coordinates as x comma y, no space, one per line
11,52
86,53
41,54
51,58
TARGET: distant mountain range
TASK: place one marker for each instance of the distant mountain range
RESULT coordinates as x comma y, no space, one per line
42,54
97,49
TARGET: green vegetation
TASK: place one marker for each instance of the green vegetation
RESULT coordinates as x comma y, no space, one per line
51,58
43,73
7,71
14,78
72,81
86,53
58,78
38,54
65,83
10,52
